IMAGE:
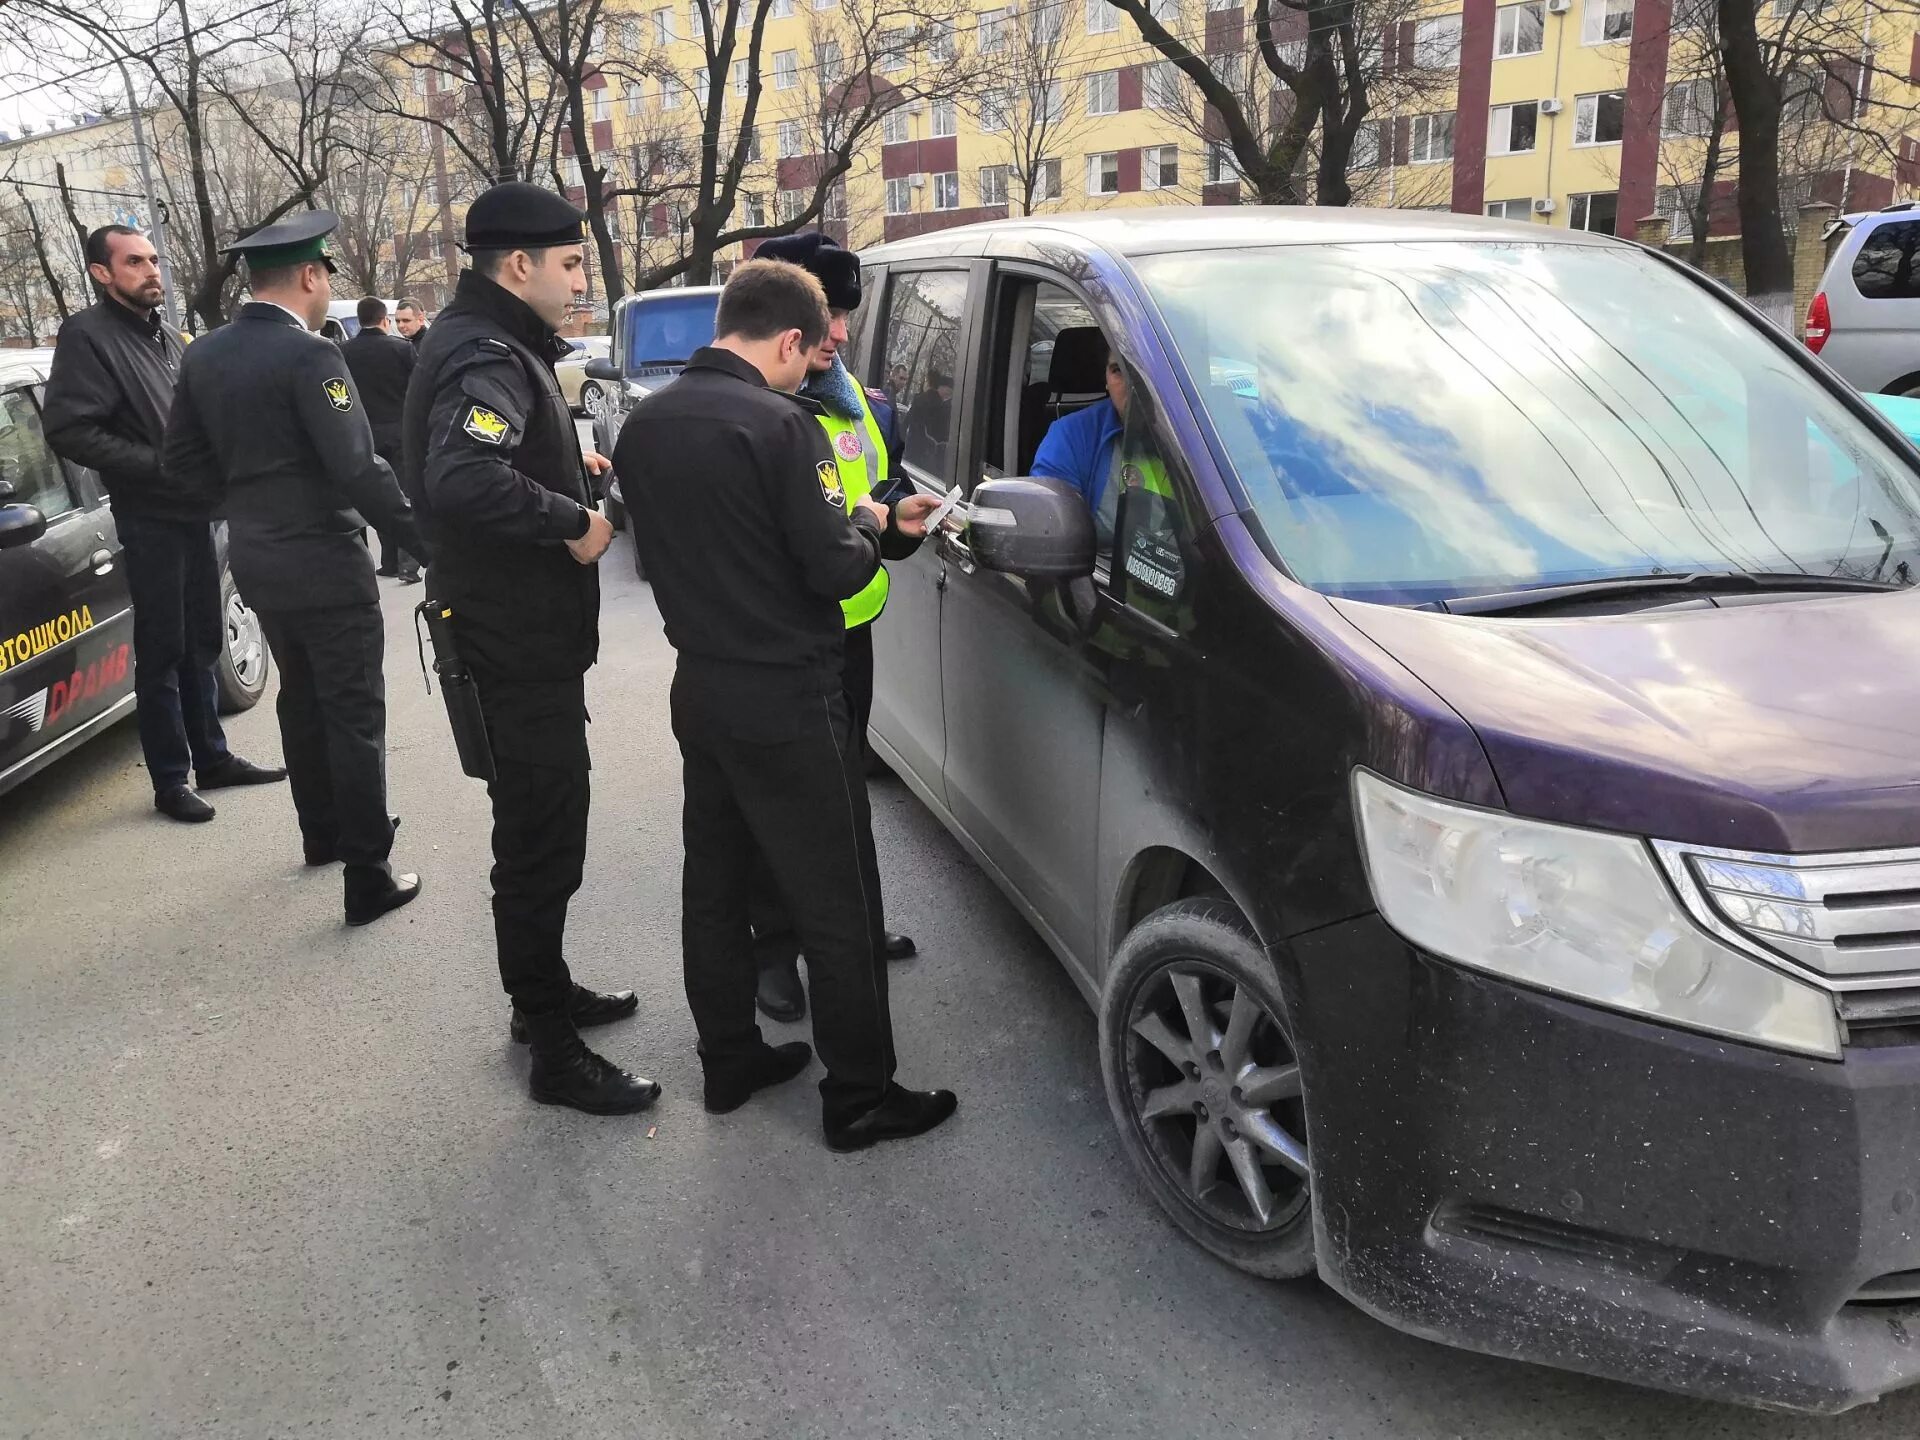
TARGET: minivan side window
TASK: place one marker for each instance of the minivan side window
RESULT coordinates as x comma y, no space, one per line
924,309
1888,265
27,463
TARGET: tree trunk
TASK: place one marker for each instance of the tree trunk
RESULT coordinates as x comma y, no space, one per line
54,288
1703,198
1756,102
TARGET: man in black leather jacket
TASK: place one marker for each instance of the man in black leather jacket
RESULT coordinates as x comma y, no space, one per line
382,364
267,425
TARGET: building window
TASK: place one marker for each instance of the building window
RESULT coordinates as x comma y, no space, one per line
834,207
636,98
780,9
1160,85
1224,4
1606,22
754,155
602,103
1514,128
942,48
833,65
1103,174
994,108
1167,12
1671,203
946,190
1436,43
1160,167
1597,213
1599,119
756,210
742,75
825,4
1223,169
790,205
663,26
1053,103
420,79
788,141
1432,139
669,93
1046,181
894,129
1366,147
993,28
1103,93
1509,209
993,184
571,171
944,121
786,69
1689,108
894,45
899,196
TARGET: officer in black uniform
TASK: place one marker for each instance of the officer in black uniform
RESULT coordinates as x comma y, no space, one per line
267,424
493,463
742,522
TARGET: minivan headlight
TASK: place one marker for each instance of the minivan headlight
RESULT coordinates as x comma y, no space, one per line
1578,912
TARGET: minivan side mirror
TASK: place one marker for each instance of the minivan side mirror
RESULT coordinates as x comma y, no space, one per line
1033,527
20,525
602,368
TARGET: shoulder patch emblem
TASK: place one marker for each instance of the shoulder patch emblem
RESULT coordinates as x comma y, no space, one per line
848,444
338,395
485,426
829,476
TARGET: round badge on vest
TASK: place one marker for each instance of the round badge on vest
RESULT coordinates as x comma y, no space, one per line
848,444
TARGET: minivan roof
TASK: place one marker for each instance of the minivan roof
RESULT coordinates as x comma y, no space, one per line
1188,227
24,367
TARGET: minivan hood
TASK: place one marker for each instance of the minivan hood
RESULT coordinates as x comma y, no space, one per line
1788,726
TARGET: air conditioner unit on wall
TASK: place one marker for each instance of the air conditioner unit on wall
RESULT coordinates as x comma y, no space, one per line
1551,107
1543,207
919,182
1559,7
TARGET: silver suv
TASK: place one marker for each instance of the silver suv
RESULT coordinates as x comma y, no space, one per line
1865,322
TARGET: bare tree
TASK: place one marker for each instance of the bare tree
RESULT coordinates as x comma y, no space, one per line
383,184
1030,60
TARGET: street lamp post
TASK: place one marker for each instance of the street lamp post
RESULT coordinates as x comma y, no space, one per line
156,220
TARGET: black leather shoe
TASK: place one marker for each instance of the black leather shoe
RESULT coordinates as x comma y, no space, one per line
325,854
236,771
177,802
902,1115
386,570
774,1065
366,904
566,1072
410,577
781,996
899,947
587,1007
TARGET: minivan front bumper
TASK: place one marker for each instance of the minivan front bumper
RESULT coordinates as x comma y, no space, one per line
1527,1176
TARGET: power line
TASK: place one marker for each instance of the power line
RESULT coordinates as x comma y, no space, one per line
74,189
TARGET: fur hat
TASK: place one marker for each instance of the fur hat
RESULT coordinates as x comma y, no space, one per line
837,270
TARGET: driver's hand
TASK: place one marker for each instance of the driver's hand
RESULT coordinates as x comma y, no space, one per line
910,515
597,464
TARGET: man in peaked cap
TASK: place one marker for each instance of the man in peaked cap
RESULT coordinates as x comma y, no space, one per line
268,427
861,428
493,462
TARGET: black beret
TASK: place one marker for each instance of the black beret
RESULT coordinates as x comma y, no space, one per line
519,216
837,270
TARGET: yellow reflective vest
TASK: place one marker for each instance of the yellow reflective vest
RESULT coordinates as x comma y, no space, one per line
857,479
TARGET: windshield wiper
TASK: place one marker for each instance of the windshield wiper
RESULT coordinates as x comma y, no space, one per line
1724,582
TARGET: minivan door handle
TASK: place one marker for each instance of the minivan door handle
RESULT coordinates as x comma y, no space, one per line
953,548
101,561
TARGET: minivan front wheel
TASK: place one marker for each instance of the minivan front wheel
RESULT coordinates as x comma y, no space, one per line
241,672
1205,1088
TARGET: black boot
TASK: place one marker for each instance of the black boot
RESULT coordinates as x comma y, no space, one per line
903,1114
587,1007
781,996
371,893
566,1072
730,1088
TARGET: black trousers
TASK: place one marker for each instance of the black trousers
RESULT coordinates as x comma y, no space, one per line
173,576
775,944
394,557
778,776
540,793
333,728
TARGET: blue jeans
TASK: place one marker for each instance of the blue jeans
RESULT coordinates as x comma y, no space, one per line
174,578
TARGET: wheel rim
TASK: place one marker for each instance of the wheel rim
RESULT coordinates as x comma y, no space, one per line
592,401
1215,1090
246,646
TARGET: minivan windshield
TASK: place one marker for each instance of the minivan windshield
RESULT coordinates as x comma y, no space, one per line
665,329
1420,422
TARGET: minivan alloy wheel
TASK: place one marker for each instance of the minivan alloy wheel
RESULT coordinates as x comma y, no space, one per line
245,642
1217,1087
593,399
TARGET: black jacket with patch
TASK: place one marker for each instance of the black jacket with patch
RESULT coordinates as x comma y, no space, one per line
492,462
740,518
268,429
382,364
107,401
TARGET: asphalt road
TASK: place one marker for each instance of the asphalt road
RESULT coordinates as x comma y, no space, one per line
262,1176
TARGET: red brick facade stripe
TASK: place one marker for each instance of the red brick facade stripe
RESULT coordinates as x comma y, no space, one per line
1476,91
602,136
1129,87
900,227
1646,99
1129,161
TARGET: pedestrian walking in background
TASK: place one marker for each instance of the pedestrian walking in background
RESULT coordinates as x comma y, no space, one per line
107,399
381,364
494,465
267,424
737,501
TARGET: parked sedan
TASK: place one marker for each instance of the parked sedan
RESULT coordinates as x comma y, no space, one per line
66,621
585,396
1445,690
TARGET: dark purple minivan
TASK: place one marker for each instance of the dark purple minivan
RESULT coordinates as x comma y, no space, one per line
1458,722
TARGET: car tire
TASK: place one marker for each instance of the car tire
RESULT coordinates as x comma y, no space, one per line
1215,1128
244,661
593,400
